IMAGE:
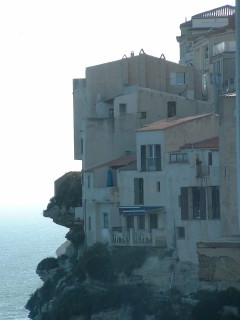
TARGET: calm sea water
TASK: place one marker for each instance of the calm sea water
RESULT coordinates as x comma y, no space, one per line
25,239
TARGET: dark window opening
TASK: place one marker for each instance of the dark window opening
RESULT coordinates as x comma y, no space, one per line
158,186
130,222
143,115
141,222
89,224
180,232
105,220
171,109
210,158
215,203
111,113
138,191
122,108
153,221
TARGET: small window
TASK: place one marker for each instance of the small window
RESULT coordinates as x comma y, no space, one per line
171,109
138,191
180,232
178,157
210,158
88,181
143,115
158,186
111,113
81,146
177,78
105,220
89,224
122,108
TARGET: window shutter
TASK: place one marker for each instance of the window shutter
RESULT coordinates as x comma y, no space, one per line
202,203
136,191
184,203
158,157
143,158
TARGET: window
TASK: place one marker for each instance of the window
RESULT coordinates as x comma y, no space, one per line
111,113
141,222
89,224
177,78
151,157
122,108
130,222
153,221
178,157
138,191
88,181
158,186
214,208
105,220
180,232
210,158
193,203
143,115
206,52
171,109
81,146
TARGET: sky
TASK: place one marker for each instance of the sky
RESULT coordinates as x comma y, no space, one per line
44,45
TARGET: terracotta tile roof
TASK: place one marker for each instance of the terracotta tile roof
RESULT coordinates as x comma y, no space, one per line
170,122
116,163
211,143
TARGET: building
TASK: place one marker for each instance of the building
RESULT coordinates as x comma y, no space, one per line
207,42
147,132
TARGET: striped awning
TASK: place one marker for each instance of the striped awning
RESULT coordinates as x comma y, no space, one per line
138,210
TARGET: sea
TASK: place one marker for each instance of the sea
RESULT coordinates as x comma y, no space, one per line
26,238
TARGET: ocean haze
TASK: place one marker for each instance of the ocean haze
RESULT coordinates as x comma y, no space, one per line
25,239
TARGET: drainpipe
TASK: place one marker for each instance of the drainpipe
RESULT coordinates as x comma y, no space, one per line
237,70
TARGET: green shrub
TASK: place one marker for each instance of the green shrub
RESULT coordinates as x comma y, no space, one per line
127,259
76,235
97,262
48,263
77,301
210,305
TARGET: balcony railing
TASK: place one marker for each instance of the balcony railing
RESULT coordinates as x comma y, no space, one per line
203,65
139,237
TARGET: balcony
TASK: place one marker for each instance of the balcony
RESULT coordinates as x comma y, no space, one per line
139,237
203,64
226,46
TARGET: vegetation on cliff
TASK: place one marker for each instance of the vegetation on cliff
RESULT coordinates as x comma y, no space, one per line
92,281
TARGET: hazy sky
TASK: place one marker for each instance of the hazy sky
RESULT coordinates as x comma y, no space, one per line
44,45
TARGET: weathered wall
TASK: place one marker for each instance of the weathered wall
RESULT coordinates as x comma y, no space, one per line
219,261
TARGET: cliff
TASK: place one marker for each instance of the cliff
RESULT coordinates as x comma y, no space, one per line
101,283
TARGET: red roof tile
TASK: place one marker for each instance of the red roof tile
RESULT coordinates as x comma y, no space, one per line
211,143
170,122
116,163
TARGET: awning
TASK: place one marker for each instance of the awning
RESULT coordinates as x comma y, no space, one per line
138,210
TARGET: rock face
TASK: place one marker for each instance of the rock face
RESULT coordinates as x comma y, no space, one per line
61,215
101,283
